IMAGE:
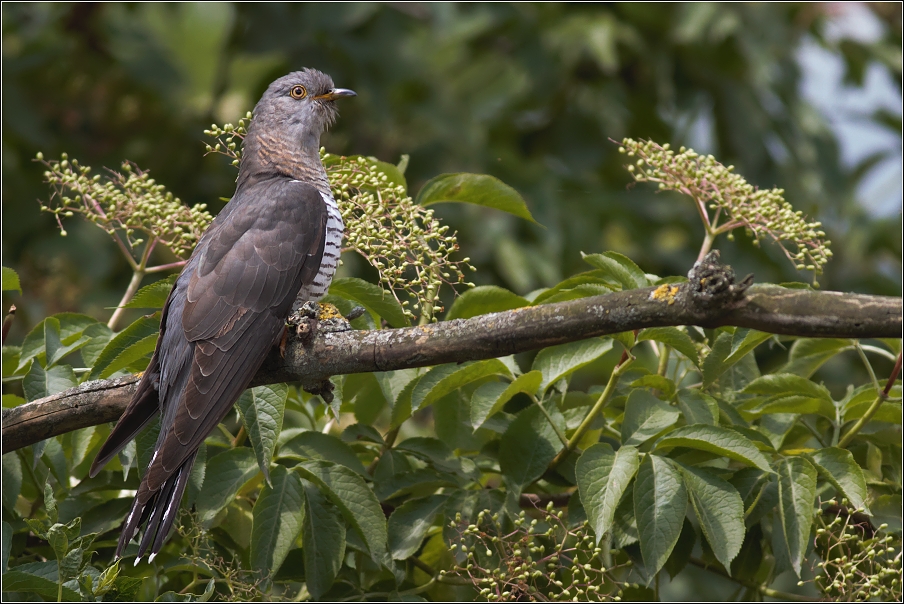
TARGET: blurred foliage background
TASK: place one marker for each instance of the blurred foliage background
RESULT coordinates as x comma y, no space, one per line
529,93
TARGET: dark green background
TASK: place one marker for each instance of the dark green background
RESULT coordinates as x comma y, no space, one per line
529,93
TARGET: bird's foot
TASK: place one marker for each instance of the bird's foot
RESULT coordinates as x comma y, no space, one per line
312,317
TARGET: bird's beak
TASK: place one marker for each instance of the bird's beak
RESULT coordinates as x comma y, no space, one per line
335,93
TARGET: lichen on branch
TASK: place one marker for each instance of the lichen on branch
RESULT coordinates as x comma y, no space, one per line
727,202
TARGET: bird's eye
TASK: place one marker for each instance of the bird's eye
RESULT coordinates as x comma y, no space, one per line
298,92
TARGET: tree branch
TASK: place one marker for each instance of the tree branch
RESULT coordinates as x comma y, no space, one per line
711,298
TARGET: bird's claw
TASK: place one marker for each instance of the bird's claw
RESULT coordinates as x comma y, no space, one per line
313,317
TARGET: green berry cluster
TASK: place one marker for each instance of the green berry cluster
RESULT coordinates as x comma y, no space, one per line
404,241
129,205
228,139
722,195
535,559
858,563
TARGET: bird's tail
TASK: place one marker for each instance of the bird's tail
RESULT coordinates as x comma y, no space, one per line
142,408
158,508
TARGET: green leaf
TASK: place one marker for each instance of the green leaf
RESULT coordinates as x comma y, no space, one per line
483,300
374,298
743,341
441,380
489,398
422,481
618,268
887,510
785,384
557,362
12,400
276,521
439,455
590,283
11,280
17,580
719,440
7,544
126,347
99,336
719,510
697,407
153,295
625,338
797,493
50,503
316,445
674,337
714,364
528,446
602,476
809,354
839,468
400,406
226,474
655,382
645,417
889,412
480,189
788,393
262,410
410,522
323,539
72,327
39,383
358,504
12,480
52,343
660,503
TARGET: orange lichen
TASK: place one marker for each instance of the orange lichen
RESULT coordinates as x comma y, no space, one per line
665,293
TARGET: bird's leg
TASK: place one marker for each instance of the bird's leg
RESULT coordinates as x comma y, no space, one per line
305,320
312,317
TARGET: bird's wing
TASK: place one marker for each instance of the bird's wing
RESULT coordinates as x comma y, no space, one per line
236,304
226,312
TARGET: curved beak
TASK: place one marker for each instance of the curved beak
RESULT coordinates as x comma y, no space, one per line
334,94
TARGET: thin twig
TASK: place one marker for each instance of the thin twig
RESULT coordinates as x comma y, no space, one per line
881,398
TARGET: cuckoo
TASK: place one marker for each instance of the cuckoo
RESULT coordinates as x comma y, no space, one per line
277,240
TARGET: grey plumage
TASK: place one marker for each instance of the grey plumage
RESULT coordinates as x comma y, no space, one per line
229,305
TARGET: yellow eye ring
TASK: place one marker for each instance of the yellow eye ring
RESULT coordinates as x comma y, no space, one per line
298,92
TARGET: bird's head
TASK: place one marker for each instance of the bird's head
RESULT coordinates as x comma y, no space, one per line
300,105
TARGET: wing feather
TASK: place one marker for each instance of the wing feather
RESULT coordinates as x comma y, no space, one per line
225,314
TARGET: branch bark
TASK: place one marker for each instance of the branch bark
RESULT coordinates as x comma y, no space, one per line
703,301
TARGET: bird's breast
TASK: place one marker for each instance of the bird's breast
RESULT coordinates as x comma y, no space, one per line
335,228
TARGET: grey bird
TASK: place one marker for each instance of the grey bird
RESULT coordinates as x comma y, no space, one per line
277,240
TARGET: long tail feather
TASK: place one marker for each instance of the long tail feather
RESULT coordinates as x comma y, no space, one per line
143,407
159,509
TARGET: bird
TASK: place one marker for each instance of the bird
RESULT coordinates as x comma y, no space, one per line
276,241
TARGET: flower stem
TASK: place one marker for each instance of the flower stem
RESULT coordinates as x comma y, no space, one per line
134,284
883,396
572,443
708,241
